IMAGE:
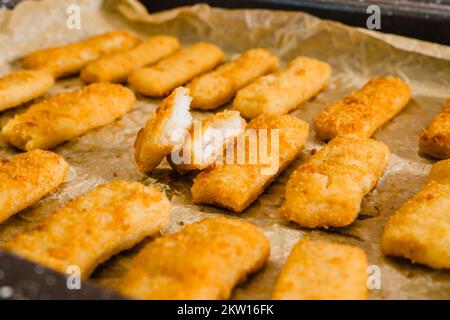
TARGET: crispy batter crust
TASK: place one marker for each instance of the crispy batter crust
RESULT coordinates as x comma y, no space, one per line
281,92
365,110
327,190
213,89
420,229
203,261
87,231
116,67
27,178
435,139
68,115
159,80
236,185
318,270
69,59
149,150
197,140
22,86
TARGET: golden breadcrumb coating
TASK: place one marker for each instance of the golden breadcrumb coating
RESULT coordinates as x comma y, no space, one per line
22,86
165,131
206,141
435,139
160,79
281,92
236,185
69,59
118,66
90,229
217,87
28,177
420,229
327,190
205,260
68,115
318,270
365,110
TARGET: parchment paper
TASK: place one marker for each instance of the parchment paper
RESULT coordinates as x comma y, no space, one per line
356,55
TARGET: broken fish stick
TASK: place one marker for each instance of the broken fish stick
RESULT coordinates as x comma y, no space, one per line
118,66
205,260
273,143
420,229
95,226
160,79
319,270
327,190
365,110
206,141
217,87
27,178
281,92
22,86
165,132
435,139
69,59
68,115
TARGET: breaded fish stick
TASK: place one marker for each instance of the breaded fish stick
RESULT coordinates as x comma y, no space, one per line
159,80
327,190
22,86
236,185
206,141
27,178
435,139
69,59
165,132
68,115
213,89
420,229
117,66
365,110
281,92
318,270
90,229
205,260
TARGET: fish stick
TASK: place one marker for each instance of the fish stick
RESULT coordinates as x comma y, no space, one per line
27,178
281,92
165,132
160,79
205,260
435,139
420,229
214,89
318,270
22,86
327,190
365,110
118,66
68,115
237,184
93,227
206,141
69,59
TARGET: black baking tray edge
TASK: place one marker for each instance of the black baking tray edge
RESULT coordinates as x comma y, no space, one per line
422,19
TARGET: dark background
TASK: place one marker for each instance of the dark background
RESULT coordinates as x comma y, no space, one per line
422,19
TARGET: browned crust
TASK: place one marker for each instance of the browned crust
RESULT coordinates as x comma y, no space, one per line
365,110
205,260
69,59
27,178
435,139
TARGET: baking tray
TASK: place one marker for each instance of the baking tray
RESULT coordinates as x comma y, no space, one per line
356,55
